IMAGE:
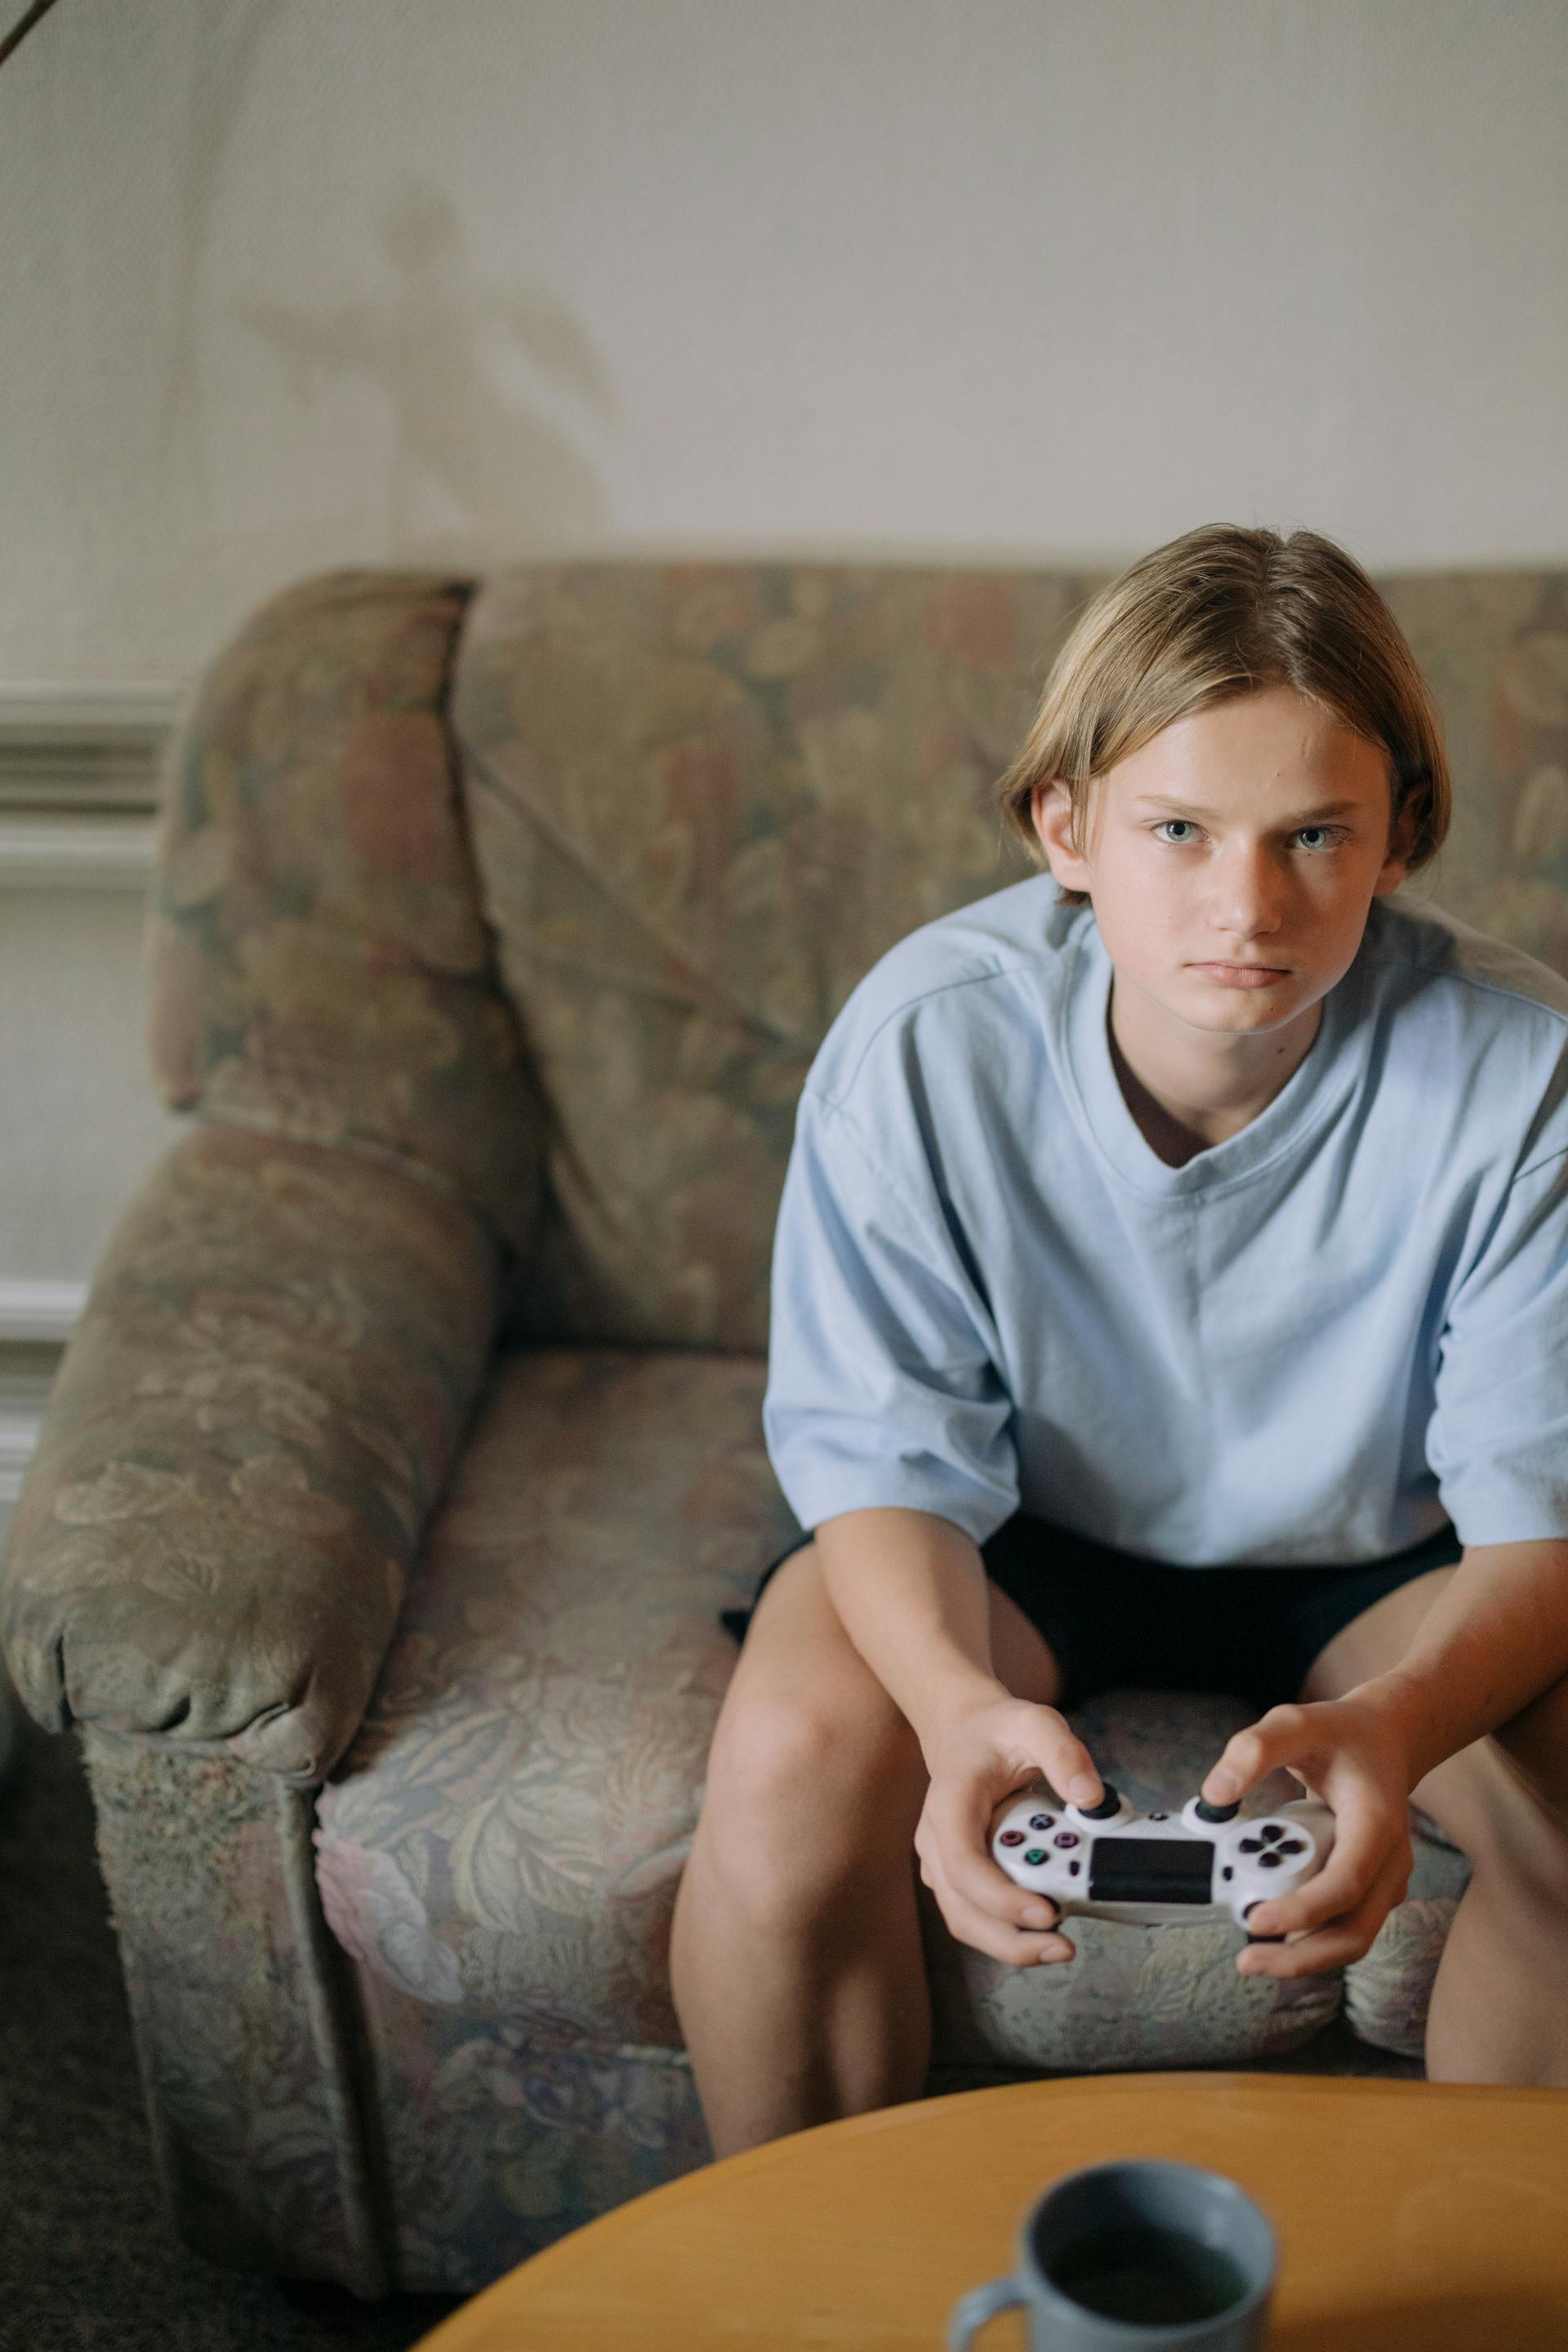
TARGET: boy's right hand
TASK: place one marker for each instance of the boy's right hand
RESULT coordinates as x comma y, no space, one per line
982,1755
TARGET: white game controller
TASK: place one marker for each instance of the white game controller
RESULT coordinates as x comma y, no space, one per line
1110,1863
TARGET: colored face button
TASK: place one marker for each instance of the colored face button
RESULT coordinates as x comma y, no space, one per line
1065,1837
1042,1820
1037,1853
1011,1837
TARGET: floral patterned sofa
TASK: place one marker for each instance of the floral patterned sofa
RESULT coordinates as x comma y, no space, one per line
410,1443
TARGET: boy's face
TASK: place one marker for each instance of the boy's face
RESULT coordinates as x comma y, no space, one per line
1216,845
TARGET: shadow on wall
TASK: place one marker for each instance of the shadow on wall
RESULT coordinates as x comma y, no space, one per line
516,477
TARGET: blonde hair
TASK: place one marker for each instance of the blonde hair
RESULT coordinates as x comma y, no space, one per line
1218,612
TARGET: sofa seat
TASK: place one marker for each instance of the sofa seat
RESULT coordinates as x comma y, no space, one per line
499,1849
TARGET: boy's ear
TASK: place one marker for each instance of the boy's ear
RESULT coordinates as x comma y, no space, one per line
1050,805
1401,840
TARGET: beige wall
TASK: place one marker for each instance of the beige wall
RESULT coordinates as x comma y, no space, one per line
289,283
79,1120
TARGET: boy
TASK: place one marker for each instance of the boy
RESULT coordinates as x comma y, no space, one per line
1170,1288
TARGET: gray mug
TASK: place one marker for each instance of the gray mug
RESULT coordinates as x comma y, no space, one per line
1124,2257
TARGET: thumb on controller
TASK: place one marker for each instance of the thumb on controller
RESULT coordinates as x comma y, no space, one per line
1072,1771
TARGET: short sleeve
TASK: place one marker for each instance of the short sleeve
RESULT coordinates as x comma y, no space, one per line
882,1388
1497,1439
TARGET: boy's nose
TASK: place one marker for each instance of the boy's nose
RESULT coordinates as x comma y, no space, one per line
1246,905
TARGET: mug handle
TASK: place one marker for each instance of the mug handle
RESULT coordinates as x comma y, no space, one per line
971,2311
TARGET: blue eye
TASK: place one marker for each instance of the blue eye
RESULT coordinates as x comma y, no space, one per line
1329,834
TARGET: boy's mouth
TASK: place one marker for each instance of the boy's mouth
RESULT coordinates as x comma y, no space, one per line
1244,975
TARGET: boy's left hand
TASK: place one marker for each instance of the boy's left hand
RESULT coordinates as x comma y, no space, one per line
1352,1753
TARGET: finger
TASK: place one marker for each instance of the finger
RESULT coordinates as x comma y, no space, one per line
1068,1764
1019,1947
959,1823
1044,1742
1368,1841
986,1887
951,1857
972,1872
1334,1945
1252,1753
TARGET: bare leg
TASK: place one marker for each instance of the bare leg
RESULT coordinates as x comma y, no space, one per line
796,1955
1497,2014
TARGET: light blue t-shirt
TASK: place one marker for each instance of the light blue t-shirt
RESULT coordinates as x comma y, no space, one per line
1308,1344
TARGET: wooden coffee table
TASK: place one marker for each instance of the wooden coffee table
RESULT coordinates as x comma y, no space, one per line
1411,2217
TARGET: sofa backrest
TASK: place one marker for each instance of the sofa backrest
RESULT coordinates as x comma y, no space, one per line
705,798
549,887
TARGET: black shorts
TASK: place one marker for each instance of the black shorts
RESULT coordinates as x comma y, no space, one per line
1113,1620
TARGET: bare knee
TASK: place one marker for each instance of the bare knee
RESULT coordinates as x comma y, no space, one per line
814,1783
1514,1836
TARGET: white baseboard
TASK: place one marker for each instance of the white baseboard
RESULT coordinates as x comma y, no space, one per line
40,1312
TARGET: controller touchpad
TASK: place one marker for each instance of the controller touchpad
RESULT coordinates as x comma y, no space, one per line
1150,1870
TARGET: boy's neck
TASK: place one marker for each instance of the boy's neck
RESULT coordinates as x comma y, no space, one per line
1188,1109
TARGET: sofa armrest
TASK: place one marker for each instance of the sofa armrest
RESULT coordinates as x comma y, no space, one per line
244,1442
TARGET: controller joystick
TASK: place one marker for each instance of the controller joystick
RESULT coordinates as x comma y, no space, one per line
1108,1862
1107,1809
